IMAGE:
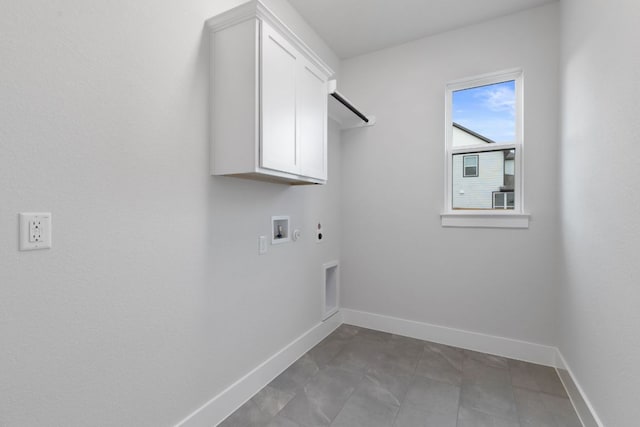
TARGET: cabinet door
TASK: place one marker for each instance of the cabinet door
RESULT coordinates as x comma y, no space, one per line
312,120
278,113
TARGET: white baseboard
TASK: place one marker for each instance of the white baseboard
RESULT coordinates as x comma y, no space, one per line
227,401
500,346
579,399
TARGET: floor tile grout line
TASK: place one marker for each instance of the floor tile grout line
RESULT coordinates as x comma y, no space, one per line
512,387
515,400
459,404
413,375
350,394
345,402
302,387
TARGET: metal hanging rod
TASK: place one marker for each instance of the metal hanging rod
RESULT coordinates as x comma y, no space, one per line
347,104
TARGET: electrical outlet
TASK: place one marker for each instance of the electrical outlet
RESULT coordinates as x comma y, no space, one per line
35,231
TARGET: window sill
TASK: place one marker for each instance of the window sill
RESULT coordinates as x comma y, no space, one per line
485,220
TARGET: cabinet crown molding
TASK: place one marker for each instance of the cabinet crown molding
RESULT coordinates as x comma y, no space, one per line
256,9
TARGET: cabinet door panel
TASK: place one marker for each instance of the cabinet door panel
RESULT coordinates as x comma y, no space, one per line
312,121
278,112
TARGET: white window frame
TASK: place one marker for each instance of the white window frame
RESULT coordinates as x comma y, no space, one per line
491,218
506,203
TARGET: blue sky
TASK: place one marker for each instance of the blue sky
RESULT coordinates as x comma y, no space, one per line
488,110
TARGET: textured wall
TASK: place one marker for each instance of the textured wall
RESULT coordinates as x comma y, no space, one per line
600,147
397,258
153,298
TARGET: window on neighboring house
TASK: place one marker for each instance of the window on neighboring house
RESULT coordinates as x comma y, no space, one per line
484,146
470,166
503,200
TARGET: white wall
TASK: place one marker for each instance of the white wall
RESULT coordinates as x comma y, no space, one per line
397,259
600,147
153,298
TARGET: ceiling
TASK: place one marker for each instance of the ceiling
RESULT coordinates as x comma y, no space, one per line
354,27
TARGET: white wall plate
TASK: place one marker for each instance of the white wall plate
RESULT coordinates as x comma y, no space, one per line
35,230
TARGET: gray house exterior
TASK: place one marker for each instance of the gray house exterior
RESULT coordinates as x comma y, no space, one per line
482,180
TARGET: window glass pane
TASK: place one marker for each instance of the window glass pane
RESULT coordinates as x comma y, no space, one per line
474,189
470,171
511,200
471,160
484,115
509,167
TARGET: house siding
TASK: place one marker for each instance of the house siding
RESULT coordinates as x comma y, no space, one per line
476,192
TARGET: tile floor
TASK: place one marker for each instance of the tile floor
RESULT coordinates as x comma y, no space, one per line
363,378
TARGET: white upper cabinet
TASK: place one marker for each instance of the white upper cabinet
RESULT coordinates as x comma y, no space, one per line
278,84
268,100
312,120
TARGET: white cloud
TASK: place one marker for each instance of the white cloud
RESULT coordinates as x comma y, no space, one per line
499,99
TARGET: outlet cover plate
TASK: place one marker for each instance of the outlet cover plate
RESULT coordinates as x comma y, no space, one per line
262,245
35,231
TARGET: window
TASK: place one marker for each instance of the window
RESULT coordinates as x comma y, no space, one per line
469,166
503,200
484,152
